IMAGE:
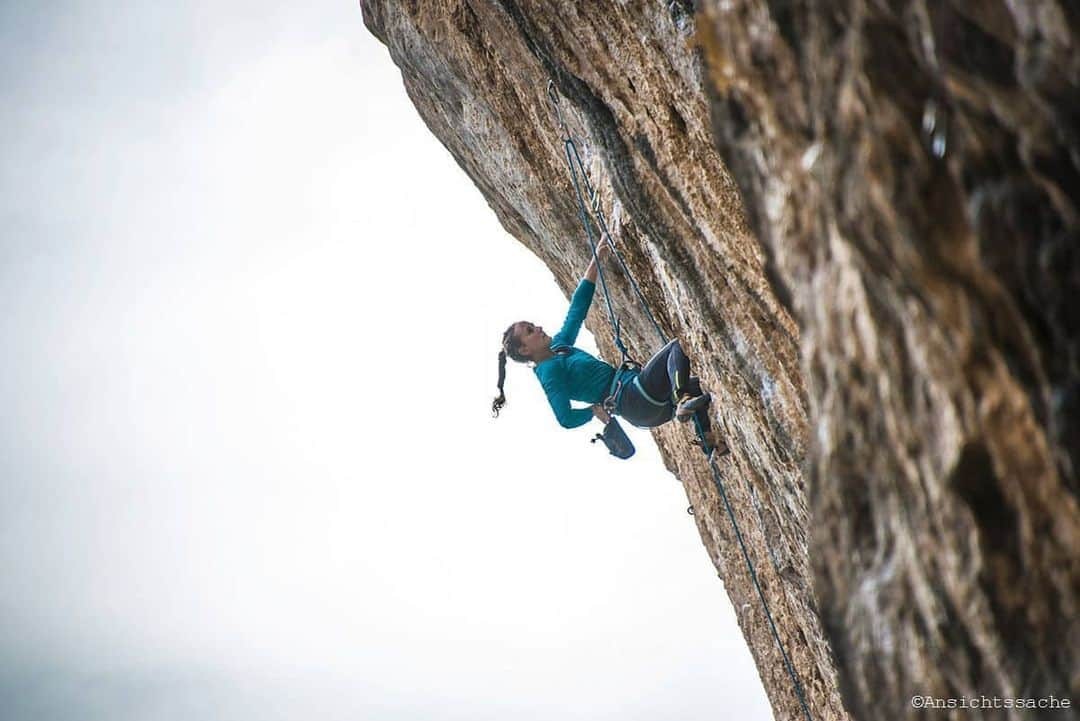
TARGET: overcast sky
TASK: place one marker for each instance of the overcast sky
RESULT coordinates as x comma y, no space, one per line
247,469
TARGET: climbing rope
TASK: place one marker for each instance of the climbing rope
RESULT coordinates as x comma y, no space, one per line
611,241
573,162
576,166
571,152
718,479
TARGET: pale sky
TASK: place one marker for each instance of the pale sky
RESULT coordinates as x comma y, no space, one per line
247,468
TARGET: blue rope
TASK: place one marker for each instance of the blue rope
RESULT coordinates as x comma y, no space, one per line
574,164
599,213
719,480
568,146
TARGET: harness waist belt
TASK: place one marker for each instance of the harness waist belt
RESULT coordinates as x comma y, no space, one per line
644,394
618,385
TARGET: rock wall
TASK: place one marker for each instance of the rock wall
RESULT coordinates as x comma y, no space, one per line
862,222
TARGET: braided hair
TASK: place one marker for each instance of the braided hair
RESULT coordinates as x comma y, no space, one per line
509,348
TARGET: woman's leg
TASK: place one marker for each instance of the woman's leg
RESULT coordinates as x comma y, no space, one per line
665,378
678,368
712,440
667,374
655,375
686,389
642,411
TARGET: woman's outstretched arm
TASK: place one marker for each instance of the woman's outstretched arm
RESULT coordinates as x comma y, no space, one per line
602,251
579,303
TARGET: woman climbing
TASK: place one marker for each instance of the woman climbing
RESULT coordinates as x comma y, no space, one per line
646,397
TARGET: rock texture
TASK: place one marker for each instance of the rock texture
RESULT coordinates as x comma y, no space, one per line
862,222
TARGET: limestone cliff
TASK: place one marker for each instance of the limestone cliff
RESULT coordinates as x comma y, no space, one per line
862,222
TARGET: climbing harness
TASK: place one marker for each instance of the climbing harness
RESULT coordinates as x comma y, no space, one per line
611,403
573,162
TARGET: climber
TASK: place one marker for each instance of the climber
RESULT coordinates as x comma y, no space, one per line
645,396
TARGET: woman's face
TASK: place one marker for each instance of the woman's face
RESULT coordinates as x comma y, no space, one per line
531,339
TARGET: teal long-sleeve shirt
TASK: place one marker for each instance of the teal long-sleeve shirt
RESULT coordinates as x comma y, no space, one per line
576,375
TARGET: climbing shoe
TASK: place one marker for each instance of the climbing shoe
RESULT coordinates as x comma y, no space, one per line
688,406
719,445
714,446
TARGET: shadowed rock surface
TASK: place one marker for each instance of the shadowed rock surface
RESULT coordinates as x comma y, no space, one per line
862,222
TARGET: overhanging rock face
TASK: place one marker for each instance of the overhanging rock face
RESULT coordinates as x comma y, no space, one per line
863,225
